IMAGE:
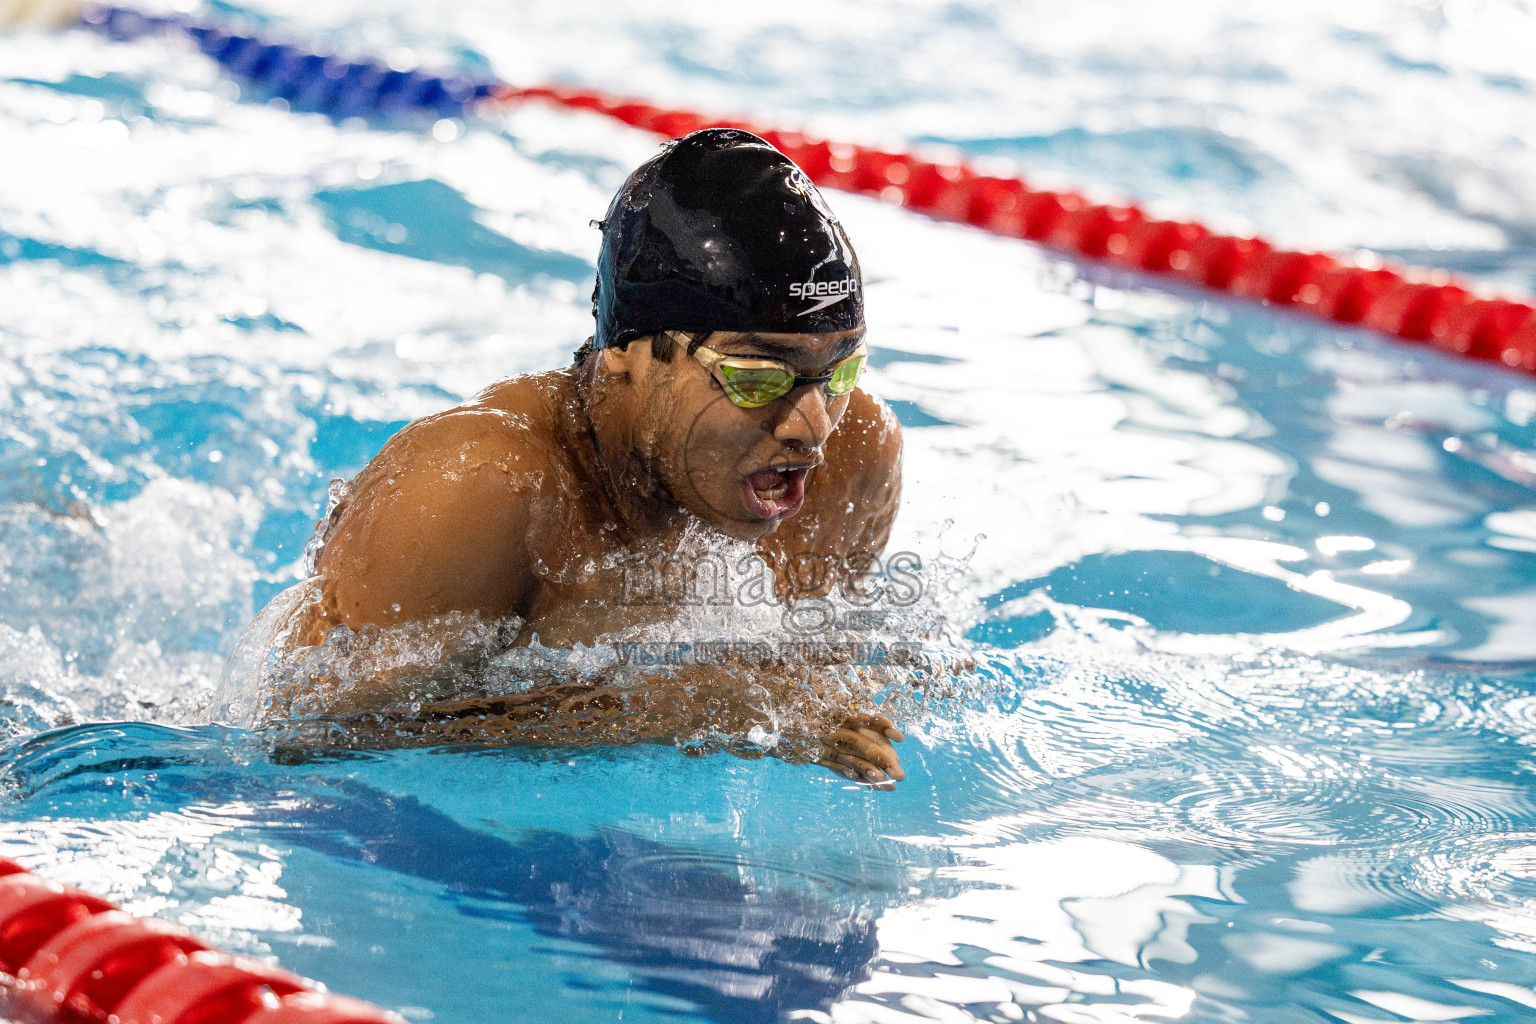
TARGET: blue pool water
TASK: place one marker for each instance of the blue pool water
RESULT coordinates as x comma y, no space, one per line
1249,729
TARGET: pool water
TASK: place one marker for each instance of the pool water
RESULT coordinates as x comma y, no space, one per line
1250,730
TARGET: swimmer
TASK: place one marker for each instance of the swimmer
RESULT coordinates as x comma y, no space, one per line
719,387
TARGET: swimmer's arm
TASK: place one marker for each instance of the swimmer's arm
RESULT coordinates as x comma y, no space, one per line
436,523
667,708
851,508
818,725
878,457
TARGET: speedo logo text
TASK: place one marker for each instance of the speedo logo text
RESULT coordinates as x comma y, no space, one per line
829,292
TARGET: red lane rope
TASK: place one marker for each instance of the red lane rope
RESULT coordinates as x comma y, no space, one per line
1418,306
67,957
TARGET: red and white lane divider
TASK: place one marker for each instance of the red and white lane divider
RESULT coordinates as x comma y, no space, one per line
1414,305
67,957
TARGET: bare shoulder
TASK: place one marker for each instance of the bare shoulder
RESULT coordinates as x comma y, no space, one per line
516,413
506,432
446,438
866,446
437,521
438,462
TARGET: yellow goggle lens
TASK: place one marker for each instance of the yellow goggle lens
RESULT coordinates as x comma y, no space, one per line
845,376
750,387
754,385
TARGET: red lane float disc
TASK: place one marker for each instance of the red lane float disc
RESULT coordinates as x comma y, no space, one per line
314,1008
67,957
32,911
205,988
87,968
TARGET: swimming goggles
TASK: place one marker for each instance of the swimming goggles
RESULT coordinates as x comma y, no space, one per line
751,382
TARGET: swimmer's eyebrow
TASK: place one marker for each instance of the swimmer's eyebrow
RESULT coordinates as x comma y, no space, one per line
757,345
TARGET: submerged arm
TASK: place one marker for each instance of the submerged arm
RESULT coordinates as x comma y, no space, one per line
748,712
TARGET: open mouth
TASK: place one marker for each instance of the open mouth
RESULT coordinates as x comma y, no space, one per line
775,493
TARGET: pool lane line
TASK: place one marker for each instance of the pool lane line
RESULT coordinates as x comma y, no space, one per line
68,956
1416,305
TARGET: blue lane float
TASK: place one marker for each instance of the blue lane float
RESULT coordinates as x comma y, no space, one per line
304,79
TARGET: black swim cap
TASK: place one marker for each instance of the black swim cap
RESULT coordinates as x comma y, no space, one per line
722,232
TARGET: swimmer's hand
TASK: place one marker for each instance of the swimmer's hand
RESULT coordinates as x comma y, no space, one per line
861,751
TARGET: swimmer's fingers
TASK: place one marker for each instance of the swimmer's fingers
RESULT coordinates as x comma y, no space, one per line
857,770
868,746
876,723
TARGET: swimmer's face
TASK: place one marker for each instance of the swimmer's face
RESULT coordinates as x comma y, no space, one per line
742,470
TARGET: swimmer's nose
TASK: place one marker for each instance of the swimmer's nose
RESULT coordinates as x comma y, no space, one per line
805,423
